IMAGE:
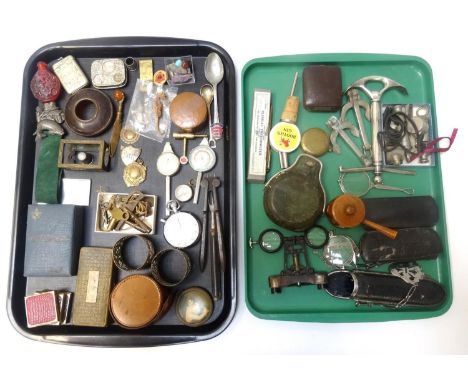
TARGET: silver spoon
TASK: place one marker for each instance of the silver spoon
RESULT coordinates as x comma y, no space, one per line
214,73
206,91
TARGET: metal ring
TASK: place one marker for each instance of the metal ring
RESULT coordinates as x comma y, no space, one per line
118,255
155,267
131,64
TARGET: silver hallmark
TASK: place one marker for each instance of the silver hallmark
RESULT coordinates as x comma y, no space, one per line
70,74
129,154
108,73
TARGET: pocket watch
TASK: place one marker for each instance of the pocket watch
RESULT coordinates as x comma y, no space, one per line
181,229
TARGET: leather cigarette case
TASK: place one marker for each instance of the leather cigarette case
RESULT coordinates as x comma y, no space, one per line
402,212
93,284
53,237
321,87
411,244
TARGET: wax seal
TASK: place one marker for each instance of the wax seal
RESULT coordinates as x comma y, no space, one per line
45,86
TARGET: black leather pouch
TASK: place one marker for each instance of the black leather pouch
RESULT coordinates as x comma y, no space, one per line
403,212
411,244
384,289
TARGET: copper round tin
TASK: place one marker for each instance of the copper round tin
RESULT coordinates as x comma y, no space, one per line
136,301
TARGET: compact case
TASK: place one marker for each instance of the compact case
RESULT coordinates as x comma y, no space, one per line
168,329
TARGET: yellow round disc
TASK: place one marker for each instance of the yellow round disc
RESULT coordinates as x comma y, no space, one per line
285,137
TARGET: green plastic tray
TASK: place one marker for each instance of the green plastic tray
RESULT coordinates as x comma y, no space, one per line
308,303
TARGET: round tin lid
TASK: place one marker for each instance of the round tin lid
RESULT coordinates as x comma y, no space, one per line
315,142
136,301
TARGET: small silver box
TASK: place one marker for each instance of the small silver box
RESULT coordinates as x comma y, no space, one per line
108,73
70,74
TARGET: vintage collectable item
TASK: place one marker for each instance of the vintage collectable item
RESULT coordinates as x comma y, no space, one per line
42,309
411,244
202,159
285,136
108,73
181,229
93,284
259,156
183,193
134,173
348,211
126,213
118,253
162,276
83,154
70,74
188,111
89,112
146,70
129,154
294,198
53,238
321,86
315,142
137,301
179,70
168,164
404,286
194,306
129,136
45,87
160,77
207,92
119,97
214,73
340,252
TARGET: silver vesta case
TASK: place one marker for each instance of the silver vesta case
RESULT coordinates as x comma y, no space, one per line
70,74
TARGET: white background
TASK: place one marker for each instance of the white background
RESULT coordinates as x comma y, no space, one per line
435,31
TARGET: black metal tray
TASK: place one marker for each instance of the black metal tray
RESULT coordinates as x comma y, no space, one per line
168,330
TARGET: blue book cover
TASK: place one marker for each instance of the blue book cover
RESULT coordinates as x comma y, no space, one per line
53,238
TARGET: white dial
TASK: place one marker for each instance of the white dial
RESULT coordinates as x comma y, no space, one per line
181,230
168,163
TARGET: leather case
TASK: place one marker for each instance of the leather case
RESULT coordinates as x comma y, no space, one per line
321,86
383,289
411,244
403,212
53,236
93,284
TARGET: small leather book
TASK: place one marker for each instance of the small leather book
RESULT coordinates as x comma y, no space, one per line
53,237
93,284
